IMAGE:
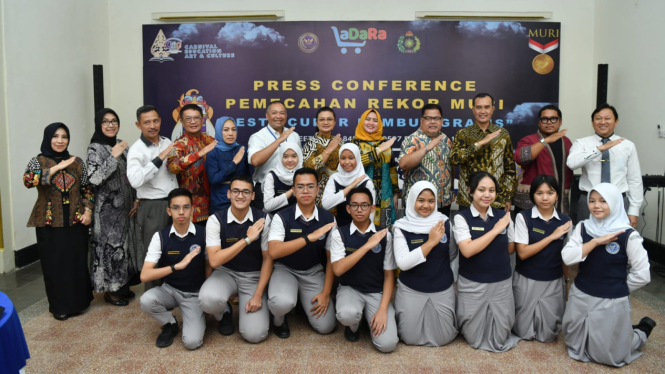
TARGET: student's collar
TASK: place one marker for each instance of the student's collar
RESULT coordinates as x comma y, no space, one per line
354,228
190,230
476,213
231,218
315,214
535,213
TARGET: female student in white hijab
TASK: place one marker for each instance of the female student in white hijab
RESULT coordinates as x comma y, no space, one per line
485,303
350,174
596,324
423,247
277,191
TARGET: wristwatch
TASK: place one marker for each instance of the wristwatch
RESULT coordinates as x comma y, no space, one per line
247,240
173,268
306,239
542,140
476,145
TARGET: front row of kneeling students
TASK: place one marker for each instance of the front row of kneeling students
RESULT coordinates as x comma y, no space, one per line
270,261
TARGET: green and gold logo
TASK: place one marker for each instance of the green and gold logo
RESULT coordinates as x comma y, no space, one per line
408,43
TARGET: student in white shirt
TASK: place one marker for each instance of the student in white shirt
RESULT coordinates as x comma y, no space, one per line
607,158
277,187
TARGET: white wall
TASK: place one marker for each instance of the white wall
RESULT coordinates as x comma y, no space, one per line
49,49
628,37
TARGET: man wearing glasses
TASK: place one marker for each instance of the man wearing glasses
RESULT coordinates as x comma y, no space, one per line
237,247
299,243
425,155
544,152
187,161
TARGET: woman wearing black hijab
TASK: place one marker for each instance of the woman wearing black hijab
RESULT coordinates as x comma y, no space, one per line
117,251
61,216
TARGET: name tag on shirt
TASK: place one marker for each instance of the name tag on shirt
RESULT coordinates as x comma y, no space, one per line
296,230
351,249
173,252
231,240
478,228
539,231
417,241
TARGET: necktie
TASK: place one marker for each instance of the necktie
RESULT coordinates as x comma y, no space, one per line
605,164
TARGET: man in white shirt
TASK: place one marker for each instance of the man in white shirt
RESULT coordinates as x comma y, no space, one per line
262,148
148,174
606,157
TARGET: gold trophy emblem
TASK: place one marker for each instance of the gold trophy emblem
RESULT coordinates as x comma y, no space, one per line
543,63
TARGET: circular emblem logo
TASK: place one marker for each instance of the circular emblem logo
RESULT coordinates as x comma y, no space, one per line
503,232
377,249
308,42
193,247
612,248
444,239
408,43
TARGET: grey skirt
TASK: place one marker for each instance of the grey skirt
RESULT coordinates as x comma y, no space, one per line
486,314
599,330
425,318
539,307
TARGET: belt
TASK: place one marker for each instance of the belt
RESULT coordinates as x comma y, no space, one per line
162,199
586,193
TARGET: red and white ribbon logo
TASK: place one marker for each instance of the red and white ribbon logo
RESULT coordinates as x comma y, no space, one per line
554,44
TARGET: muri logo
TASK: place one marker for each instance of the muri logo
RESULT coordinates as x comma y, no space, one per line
356,38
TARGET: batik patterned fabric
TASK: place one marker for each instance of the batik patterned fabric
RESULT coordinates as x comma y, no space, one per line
435,167
313,158
189,168
67,188
495,158
381,168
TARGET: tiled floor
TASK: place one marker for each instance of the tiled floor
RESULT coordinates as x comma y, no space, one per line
24,286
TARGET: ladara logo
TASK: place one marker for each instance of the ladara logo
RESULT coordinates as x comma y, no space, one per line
341,36
163,48
308,42
192,97
408,43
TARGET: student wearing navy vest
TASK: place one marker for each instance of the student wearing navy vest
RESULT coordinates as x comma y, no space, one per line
596,324
177,251
299,243
538,283
350,174
424,249
237,247
277,191
362,258
485,303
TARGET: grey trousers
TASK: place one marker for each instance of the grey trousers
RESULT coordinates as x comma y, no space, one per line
350,307
159,301
151,218
224,283
583,208
287,284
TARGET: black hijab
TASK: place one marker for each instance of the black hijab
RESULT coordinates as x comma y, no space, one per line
47,150
98,136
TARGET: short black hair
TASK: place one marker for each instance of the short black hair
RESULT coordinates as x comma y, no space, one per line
191,107
145,109
541,179
550,107
304,171
477,177
480,96
275,102
430,107
325,109
242,178
179,192
605,106
356,190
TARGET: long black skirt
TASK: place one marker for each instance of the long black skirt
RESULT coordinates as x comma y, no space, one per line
63,252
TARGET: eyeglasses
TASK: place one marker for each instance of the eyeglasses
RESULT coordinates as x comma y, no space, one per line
432,119
178,208
107,123
363,207
308,187
245,193
552,120
192,119
325,120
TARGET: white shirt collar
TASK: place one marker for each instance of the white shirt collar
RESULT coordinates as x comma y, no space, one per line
476,213
535,213
231,218
190,229
354,228
599,138
314,216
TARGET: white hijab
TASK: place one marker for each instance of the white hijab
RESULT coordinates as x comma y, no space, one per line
285,175
414,222
345,178
617,220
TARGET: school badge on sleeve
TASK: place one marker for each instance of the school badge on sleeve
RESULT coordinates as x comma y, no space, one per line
612,248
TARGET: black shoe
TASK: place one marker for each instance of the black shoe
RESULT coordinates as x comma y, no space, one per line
169,332
61,317
129,295
282,331
225,326
350,335
119,302
646,325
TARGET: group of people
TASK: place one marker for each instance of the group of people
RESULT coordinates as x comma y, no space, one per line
321,216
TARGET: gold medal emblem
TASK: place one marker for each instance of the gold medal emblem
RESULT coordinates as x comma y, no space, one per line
542,64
